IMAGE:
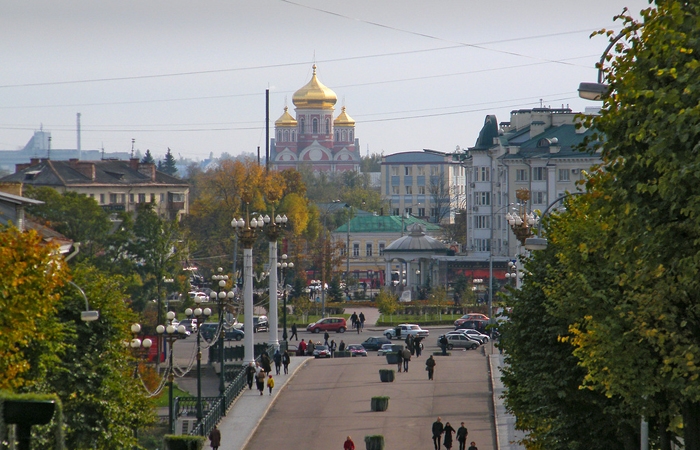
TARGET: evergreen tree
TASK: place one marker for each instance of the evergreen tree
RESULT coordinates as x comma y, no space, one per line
148,158
168,165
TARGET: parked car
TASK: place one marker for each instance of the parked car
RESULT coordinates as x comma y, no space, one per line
260,323
474,334
459,340
198,296
190,325
471,316
404,329
356,350
336,324
473,324
375,342
209,331
386,348
321,351
176,324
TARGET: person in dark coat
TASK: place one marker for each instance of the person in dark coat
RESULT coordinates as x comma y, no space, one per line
354,319
406,359
443,344
430,366
310,348
449,431
341,347
250,375
266,363
260,380
462,436
332,347
438,429
362,321
418,347
399,359
285,362
215,438
325,338
294,332
277,358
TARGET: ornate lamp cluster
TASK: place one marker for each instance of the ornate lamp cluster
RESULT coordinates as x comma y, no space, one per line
171,333
522,222
283,266
222,297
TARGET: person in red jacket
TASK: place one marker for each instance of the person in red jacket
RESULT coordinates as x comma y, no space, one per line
349,444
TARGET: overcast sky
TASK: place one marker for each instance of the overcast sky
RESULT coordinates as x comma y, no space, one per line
192,75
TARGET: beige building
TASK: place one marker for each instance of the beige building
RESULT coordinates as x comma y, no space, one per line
114,184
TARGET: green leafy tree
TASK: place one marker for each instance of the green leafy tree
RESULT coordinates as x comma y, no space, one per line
371,163
335,293
387,303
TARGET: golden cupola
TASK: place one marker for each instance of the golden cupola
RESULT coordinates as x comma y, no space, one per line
286,120
314,95
343,120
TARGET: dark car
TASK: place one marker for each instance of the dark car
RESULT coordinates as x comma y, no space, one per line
260,323
375,343
209,331
473,324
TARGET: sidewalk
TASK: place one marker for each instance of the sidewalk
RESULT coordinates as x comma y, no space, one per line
506,434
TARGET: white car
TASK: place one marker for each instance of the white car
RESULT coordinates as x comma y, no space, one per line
386,348
198,297
402,330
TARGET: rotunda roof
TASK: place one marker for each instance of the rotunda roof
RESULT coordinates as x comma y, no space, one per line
286,120
417,241
314,95
343,120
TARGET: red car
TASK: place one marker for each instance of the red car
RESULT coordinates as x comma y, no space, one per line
336,324
471,316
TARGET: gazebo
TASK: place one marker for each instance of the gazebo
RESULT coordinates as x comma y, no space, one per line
415,252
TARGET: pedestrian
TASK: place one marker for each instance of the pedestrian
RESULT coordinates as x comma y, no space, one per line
430,366
462,436
443,344
418,346
406,359
409,343
341,347
332,348
349,444
277,358
325,338
301,350
260,380
362,321
353,318
310,348
294,332
266,363
271,384
447,441
399,359
438,429
285,362
250,375
472,446
215,438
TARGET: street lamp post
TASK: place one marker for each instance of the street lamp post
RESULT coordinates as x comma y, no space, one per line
201,315
140,346
285,292
246,230
273,229
221,297
171,333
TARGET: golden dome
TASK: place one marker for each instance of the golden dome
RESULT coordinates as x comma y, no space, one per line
286,120
314,95
343,120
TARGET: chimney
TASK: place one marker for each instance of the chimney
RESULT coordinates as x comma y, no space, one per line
149,170
134,163
84,167
11,187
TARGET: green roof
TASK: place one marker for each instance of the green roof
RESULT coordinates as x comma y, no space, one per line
384,224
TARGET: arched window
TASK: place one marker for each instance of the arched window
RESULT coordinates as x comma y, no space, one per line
315,126
337,135
286,135
294,136
302,125
350,135
328,126
344,135
279,135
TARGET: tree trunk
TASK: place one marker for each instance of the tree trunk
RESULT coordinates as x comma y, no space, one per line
664,437
691,425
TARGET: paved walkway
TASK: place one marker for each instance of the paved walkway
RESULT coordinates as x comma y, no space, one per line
506,434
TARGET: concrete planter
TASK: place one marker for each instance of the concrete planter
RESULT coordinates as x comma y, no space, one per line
392,358
380,403
342,354
386,375
375,442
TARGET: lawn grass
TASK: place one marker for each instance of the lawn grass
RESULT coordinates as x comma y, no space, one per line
162,400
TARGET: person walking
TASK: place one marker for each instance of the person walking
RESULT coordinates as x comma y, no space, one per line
449,431
443,344
260,380
332,348
362,321
462,436
250,375
409,344
215,437
348,444
353,319
438,429
406,359
285,362
472,446
430,366
294,332
266,363
277,358
271,384
399,359
325,338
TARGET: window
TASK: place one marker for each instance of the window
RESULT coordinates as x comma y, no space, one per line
142,198
92,195
328,126
337,135
521,175
162,198
279,135
434,170
539,198
395,171
342,250
409,190
482,198
407,212
482,222
314,126
395,190
421,190
131,198
421,171
482,245
408,171
381,248
153,198
563,174
483,173
102,199
302,126
395,211
350,135
368,249
356,249
434,213
421,212
112,198
539,173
